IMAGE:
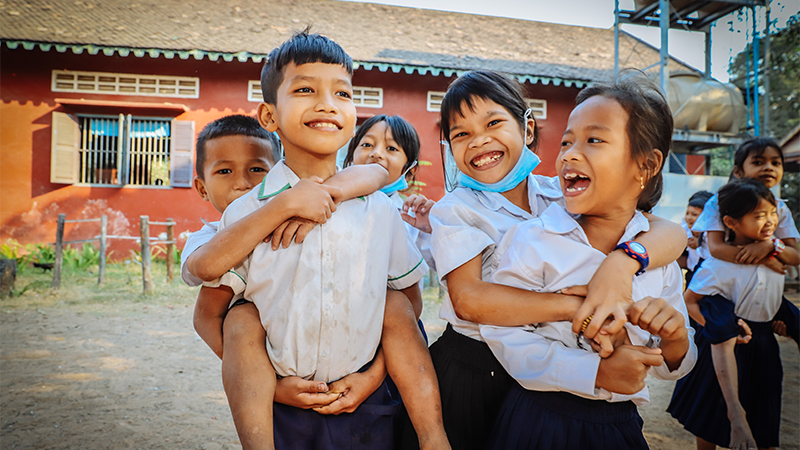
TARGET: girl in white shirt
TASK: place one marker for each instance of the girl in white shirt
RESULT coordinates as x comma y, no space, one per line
733,396
490,138
567,395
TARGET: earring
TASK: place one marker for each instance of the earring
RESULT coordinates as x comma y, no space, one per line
641,182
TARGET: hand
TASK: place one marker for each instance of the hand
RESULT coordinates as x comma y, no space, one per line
300,393
756,251
624,371
351,390
748,333
692,242
658,317
309,199
295,227
609,294
604,344
778,327
774,264
421,206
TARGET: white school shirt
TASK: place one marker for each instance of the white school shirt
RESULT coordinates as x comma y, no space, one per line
322,302
552,253
419,238
755,290
193,242
710,220
692,256
467,223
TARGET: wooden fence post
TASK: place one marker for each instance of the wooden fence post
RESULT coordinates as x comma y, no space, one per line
144,228
170,247
59,252
101,272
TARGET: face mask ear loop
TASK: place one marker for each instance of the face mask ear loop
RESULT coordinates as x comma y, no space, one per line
450,175
528,113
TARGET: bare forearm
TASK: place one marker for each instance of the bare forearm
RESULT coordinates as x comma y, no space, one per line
232,244
790,255
674,351
664,242
414,295
692,300
360,180
719,249
209,313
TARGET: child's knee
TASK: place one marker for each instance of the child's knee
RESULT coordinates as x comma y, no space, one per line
243,324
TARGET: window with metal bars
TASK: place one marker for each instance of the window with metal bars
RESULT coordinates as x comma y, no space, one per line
121,151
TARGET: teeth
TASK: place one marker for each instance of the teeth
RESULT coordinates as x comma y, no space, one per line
324,125
572,176
575,189
486,159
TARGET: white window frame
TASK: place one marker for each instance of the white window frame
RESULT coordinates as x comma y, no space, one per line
254,91
538,108
434,102
107,83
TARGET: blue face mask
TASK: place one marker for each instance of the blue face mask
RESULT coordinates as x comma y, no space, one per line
525,164
398,184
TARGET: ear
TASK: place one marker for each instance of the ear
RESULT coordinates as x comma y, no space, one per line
530,126
266,116
200,187
412,173
730,222
738,172
651,164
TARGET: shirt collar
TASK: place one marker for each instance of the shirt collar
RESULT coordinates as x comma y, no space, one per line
279,179
495,200
556,220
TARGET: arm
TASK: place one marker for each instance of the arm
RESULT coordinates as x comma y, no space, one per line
727,374
209,313
483,302
357,181
610,290
692,300
307,199
749,254
414,295
790,255
658,317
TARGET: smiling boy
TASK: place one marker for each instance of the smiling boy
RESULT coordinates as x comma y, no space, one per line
322,302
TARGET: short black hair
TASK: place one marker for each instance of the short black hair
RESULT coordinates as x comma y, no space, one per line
403,133
741,196
649,127
699,199
233,125
302,48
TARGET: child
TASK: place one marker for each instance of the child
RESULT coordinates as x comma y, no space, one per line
760,159
233,154
691,258
322,302
610,169
747,382
485,123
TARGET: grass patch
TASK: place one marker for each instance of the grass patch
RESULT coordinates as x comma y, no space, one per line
121,291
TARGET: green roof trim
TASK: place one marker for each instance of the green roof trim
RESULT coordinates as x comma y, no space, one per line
257,58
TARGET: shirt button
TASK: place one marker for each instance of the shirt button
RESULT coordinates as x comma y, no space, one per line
327,254
327,308
324,353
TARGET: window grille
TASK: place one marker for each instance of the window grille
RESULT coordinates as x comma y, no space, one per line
254,91
538,107
124,151
125,84
435,100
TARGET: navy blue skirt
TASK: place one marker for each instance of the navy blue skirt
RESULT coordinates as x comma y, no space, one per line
559,420
370,426
697,401
472,384
790,315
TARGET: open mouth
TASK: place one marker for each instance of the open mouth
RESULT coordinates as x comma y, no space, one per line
576,182
486,159
324,125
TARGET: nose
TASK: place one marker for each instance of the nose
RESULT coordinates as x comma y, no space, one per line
243,183
570,153
376,153
326,104
479,140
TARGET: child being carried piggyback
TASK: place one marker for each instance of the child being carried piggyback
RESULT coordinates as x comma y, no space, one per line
322,302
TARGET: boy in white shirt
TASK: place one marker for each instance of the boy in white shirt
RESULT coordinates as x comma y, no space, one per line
322,302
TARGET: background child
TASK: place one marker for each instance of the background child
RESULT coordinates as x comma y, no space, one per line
233,155
691,258
609,166
491,136
308,101
762,160
733,397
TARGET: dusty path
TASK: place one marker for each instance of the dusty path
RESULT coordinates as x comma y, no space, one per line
144,380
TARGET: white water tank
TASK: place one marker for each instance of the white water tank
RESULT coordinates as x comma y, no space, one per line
705,104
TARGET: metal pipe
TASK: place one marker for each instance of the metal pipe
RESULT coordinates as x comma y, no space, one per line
664,52
756,124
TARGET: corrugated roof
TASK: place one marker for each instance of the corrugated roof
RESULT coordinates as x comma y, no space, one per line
376,36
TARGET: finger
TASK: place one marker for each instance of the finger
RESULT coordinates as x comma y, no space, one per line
406,218
578,291
317,180
583,312
600,316
288,234
277,235
316,400
652,360
302,232
419,202
636,310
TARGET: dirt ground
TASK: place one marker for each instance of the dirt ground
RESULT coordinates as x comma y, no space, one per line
142,379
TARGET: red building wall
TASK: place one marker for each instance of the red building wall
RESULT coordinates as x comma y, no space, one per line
30,203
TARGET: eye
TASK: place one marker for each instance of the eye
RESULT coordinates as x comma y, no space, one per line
223,171
595,140
494,122
366,145
565,143
344,94
392,149
458,135
258,169
304,90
